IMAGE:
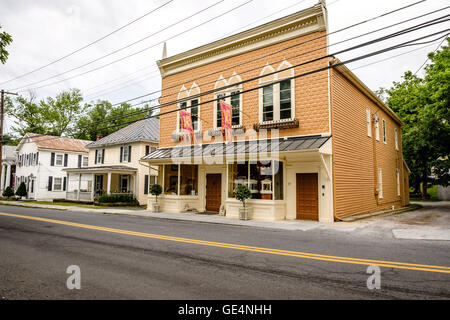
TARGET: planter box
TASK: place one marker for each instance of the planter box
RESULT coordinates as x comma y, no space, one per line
155,207
244,213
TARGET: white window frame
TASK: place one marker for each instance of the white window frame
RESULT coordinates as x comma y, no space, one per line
227,92
54,184
85,162
380,183
188,101
275,81
100,156
396,138
397,173
369,122
384,128
56,159
125,154
377,127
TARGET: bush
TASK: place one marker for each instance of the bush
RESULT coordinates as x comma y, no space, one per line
156,190
8,192
243,193
118,198
21,190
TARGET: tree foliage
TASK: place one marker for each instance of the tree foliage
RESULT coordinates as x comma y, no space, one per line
423,104
21,190
5,40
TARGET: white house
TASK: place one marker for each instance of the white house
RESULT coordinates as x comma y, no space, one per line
41,160
114,164
8,167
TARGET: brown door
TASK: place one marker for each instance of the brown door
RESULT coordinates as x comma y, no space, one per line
213,192
307,196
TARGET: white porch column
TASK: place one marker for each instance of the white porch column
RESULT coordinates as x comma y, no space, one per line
79,186
2,184
93,187
8,175
108,186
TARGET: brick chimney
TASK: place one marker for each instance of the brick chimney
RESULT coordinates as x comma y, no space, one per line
99,136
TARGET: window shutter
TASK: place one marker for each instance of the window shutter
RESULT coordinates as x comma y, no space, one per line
80,158
121,154
146,184
52,159
50,183
147,150
129,153
64,183
37,158
96,154
103,156
66,159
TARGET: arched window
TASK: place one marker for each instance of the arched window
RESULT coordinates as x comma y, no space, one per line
189,102
231,95
276,97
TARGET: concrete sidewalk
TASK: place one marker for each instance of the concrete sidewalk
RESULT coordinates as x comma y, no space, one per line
432,222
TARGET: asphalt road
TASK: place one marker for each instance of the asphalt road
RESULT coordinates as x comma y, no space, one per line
118,264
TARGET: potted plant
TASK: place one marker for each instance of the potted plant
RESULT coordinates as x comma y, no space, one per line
155,190
21,190
243,193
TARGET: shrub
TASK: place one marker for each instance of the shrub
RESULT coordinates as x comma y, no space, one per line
118,198
243,193
8,192
21,190
156,190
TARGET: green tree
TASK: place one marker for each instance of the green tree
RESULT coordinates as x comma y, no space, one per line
5,40
27,115
8,192
423,104
104,119
60,113
21,190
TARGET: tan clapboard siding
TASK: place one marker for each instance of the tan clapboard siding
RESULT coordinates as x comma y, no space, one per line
353,156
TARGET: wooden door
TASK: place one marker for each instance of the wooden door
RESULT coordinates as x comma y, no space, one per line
213,192
307,196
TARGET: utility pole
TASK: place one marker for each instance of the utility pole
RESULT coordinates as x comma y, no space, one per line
2,110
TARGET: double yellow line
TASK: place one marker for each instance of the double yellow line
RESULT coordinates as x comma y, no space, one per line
305,255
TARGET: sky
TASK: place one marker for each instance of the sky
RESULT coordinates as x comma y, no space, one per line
45,30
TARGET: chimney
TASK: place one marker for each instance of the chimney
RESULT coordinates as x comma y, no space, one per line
99,136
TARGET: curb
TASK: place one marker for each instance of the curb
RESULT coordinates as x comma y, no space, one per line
384,213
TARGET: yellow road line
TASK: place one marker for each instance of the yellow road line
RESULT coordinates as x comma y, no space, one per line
305,255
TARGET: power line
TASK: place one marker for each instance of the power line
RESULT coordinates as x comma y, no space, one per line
410,29
401,32
89,44
415,73
407,43
295,45
130,55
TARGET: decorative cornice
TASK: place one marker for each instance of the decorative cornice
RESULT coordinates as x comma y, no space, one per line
298,24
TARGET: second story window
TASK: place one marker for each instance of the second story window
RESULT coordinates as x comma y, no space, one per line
369,122
125,154
85,161
276,97
231,96
384,131
396,138
191,106
100,156
59,160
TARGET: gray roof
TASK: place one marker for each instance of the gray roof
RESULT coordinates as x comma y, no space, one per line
101,168
144,130
241,147
9,152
